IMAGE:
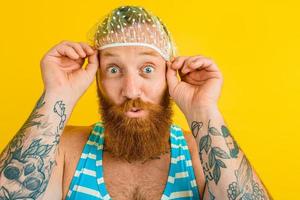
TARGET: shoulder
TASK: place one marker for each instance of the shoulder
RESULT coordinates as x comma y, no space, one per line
190,140
69,149
75,134
198,171
72,144
73,131
74,138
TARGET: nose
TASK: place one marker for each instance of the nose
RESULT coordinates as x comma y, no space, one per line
131,87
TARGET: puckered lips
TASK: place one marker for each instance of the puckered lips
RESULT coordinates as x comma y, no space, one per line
135,112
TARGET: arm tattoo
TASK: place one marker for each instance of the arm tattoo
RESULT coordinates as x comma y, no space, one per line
212,167
245,188
230,142
59,108
26,168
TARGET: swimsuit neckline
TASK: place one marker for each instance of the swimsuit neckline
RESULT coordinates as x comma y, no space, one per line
171,166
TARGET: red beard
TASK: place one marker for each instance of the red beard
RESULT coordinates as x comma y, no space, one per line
136,139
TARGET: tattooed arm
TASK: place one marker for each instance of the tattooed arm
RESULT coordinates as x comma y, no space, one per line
228,173
27,162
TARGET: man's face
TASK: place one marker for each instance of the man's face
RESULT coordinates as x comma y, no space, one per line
132,72
135,103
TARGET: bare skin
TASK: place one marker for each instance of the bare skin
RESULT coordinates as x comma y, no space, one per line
143,181
41,159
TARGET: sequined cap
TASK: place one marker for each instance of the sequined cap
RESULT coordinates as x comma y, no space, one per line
132,26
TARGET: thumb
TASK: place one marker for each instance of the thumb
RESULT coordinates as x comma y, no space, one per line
172,78
93,64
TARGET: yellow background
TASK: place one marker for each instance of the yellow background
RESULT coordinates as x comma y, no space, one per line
255,44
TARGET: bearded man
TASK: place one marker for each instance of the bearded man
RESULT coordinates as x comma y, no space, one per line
135,151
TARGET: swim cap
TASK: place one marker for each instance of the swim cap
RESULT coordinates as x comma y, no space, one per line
132,26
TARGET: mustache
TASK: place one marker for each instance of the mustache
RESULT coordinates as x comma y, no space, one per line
136,103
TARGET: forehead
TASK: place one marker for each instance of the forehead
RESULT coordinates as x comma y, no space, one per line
128,51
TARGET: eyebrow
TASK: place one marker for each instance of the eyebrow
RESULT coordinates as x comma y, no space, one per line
149,53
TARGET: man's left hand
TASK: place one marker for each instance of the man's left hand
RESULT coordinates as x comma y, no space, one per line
199,85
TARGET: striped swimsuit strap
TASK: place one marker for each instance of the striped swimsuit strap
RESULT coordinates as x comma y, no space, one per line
88,181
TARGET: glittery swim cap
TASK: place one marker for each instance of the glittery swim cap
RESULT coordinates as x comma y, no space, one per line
132,26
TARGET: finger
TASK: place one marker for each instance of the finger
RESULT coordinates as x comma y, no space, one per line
204,63
78,48
199,63
71,68
172,59
68,51
87,48
185,69
178,62
172,78
93,64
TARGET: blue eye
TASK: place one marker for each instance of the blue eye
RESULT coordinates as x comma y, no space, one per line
113,69
148,69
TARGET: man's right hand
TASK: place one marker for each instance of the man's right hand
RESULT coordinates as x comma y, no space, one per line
35,144
62,70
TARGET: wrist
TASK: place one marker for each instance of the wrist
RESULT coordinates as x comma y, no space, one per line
202,113
54,96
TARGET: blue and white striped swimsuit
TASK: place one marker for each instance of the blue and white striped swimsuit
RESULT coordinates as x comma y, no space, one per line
88,184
